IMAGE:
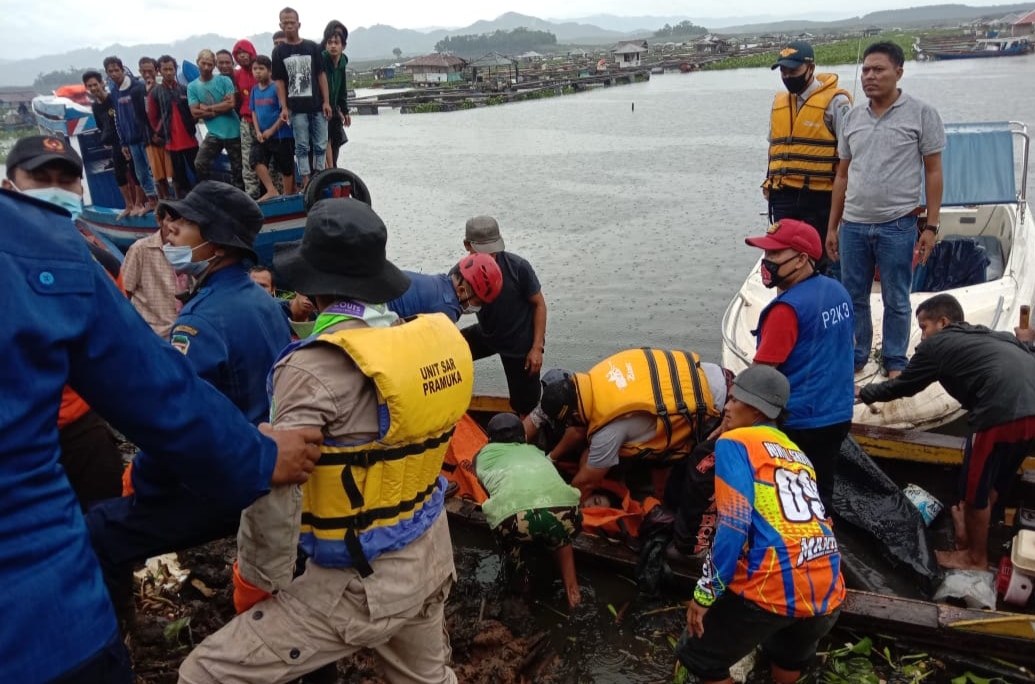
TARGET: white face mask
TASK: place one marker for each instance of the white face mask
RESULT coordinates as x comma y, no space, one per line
470,309
180,259
59,197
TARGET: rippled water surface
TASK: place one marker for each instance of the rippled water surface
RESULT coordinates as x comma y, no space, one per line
634,219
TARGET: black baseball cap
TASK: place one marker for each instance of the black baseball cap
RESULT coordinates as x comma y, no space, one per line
794,54
32,152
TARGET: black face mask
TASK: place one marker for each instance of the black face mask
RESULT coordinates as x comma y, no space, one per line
770,272
796,84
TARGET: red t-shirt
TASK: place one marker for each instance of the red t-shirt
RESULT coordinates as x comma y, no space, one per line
180,138
778,336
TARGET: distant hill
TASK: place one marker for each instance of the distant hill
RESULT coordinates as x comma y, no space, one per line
910,17
365,43
378,41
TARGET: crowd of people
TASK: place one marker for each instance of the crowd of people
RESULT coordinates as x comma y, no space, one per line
315,427
271,114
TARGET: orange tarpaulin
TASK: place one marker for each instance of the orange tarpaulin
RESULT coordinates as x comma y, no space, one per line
617,522
458,464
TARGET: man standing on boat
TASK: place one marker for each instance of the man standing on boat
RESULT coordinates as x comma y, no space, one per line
773,575
803,130
514,325
387,395
888,150
173,123
992,375
807,334
212,99
131,124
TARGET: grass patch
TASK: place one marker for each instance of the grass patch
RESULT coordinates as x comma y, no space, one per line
841,52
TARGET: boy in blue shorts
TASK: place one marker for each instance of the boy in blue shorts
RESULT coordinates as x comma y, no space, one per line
275,141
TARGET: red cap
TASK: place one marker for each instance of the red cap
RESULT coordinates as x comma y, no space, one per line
790,234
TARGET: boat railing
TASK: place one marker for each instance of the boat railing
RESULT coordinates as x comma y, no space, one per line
729,322
1020,129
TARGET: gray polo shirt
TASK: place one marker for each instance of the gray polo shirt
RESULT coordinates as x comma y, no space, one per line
887,158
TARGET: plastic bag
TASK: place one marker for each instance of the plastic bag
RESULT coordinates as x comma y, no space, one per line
868,499
975,587
955,262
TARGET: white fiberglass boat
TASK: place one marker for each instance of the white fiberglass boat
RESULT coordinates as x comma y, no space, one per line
985,221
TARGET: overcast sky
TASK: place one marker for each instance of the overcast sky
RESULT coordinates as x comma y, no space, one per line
42,27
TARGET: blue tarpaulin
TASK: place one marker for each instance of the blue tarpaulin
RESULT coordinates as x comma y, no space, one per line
977,165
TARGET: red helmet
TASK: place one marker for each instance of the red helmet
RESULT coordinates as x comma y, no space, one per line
484,276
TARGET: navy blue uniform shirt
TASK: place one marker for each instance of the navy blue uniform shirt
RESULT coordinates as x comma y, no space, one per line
231,332
427,294
65,322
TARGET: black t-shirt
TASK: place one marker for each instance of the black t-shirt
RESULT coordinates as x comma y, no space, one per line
299,67
508,321
104,118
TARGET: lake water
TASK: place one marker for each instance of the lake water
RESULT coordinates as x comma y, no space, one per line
634,219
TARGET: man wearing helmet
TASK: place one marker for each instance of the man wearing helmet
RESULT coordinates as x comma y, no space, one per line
630,408
474,281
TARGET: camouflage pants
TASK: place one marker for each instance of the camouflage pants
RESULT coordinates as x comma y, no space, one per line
550,528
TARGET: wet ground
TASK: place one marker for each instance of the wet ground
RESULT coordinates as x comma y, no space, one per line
514,633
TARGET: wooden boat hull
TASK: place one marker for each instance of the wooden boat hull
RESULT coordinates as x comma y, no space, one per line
1006,635
997,633
284,220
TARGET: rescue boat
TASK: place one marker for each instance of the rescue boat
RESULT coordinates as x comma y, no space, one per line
898,607
987,239
69,116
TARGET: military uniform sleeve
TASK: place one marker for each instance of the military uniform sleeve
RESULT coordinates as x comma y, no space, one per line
734,501
206,351
150,393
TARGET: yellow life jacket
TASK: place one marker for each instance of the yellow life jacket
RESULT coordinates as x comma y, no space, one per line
667,384
802,150
369,498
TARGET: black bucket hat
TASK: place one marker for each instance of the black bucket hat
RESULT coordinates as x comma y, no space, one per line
341,254
226,215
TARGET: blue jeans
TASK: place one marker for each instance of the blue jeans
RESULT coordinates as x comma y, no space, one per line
889,246
308,126
142,166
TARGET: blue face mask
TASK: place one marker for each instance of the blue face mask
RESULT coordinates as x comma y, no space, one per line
59,197
180,259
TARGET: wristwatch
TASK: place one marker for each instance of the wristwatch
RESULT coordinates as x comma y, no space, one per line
931,227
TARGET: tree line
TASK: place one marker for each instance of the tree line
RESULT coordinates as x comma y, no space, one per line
49,82
683,28
506,42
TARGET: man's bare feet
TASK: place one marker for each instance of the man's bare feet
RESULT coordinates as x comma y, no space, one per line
128,211
960,559
138,210
959,527
268,196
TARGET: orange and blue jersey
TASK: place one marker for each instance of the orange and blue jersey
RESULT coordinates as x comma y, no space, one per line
774,544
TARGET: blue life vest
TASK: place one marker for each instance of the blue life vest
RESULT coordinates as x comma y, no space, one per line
820,365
